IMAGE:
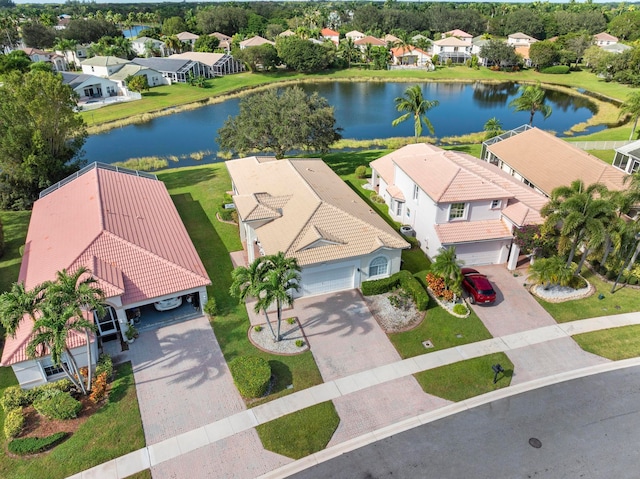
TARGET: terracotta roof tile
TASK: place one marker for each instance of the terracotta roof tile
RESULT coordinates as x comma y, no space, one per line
395,192
469,231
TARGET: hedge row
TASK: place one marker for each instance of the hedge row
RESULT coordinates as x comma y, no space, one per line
13,423
556,70
16,397
251,375
34,445
405,280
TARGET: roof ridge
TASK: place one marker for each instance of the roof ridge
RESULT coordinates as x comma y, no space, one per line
309,187
446,188
474,173
295,238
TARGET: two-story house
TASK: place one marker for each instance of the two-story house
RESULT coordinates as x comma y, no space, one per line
603,39
451,199
459,34
329,34
519,39
458,51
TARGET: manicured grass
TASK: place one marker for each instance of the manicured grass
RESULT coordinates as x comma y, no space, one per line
414,260
604,155
466,379
624,300
115,430
146,474
443,329
301,433
615,344
15,224
197,193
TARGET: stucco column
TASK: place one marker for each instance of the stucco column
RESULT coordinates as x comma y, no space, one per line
512,263
122,319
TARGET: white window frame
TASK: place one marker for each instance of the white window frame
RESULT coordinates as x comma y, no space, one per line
415,191
496,204
398,208
455,206
377,266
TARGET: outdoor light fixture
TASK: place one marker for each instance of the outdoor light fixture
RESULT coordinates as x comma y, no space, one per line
497,369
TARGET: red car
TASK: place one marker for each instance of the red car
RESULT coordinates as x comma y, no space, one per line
478,286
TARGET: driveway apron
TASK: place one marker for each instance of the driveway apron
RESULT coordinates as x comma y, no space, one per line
183,383
515,311
346,339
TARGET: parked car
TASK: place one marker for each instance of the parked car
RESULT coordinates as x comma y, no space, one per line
167,304
478,286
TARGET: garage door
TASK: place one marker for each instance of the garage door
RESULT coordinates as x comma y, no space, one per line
475,254
326,281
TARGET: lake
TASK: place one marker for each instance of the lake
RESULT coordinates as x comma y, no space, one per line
364,110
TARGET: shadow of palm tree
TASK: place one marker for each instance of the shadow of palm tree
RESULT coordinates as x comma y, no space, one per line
344,313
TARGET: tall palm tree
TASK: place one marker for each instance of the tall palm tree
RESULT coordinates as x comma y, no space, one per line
247,281
282,277
448,267
173,43
348,50
531,99
17,303
416,106
631,107
77,292
582,214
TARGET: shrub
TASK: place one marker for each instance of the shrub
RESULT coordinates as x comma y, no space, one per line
379,286
99,388
251,375
633,280
49,389
376,198
611,275
34,445
59,405
105,365
460,309
257,328
291,320
13,423
299,343
556,70
211,308
577,282
412,286
361,171
14,397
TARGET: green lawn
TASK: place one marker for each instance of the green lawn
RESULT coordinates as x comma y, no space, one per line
624,300
197,193
604,155
615,344
115,430
301,433
15,224
466,379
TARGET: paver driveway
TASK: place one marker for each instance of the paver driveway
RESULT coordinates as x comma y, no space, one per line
183,383
346,339
514,311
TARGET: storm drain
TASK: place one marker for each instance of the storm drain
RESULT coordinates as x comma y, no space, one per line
535,442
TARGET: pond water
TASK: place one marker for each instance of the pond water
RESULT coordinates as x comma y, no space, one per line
133,31
364,110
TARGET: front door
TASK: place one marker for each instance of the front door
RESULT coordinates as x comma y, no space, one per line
108,323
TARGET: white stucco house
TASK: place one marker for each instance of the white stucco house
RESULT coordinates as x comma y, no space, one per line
139,45
452,48
90,87
255,41
188,38
119,69
354,35
131,239
103,66
520,39
58,62
459,34
627,158
330,34
302,208
602,39
451,199
411,55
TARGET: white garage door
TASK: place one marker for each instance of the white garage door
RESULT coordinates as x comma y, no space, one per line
326,281
476,254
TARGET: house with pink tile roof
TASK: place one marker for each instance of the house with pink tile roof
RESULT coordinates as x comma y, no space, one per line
302,208
123,226
362,43
451,199
603,39
329,34
411,55
460,34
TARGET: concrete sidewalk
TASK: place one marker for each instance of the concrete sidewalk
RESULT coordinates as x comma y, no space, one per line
240,422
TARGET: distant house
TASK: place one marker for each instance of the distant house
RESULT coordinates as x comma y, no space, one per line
604,38
544,162
302,208
459,34
451,199
452,48
330,35
523,51
362,43
131,239
76,56
89,87
215,64
63,22
616,48
627,158
58,62
255,41
476,47
287,33
188,38
139,45
119,69
355,35
390,39
225,40
410,55
154,77
520,39
103,66
173,69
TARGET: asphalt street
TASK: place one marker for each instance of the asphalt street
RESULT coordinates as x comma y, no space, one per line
585,428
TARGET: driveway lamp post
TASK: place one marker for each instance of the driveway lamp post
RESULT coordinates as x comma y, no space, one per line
613,289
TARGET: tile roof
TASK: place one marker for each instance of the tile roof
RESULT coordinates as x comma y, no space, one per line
327,32
458,33
186,36
314,216
408,50
104,61
206,58
451,42
522,36
354,33
604,36
370,40
126,71
255,42
287,33
523,50
471,231
395,192
220,36
548,161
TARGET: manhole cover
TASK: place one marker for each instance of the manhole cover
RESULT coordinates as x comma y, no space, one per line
535,442
427,344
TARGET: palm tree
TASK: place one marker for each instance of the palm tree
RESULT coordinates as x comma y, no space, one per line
531,99
493,127
582,213
247,281
77,293
631,107
348,50
416,106
17,303
173,43
281,278
547,271
448,267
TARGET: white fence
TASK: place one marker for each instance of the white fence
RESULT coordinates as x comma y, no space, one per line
599,145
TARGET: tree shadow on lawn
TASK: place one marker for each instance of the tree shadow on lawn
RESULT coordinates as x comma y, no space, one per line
282,374
187,176
345,163
152,93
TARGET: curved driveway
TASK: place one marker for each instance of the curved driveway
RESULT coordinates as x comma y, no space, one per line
589,428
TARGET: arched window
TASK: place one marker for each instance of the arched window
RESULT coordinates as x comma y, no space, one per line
379,266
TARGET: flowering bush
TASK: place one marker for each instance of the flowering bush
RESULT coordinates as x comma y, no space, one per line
99,390
447,295
436,285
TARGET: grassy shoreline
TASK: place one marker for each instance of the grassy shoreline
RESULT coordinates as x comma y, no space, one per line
167,100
